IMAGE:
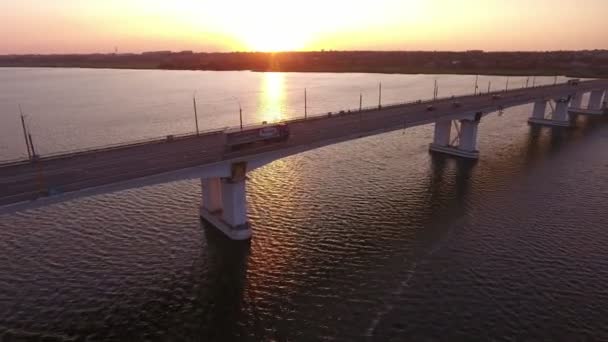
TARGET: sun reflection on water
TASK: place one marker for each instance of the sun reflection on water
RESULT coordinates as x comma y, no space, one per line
272,97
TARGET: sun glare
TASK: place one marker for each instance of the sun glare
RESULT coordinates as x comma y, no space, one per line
273,39
278,25
268,26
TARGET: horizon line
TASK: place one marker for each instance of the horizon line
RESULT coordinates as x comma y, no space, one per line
291,51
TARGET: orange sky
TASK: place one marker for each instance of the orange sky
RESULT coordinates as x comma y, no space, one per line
78,26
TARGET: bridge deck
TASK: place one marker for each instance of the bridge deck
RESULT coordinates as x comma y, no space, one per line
24,181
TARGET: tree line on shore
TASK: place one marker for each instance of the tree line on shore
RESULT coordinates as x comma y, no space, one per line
588,63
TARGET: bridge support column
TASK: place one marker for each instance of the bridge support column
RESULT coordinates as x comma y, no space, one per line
467,138
235,203
595,99
559,117
540,108
224,203
561,112
442,133
211,199
595,106
577,101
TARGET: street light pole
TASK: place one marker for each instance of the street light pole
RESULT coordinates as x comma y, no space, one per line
380,95
27,143
32,145
360,101
195,114
241,115
305,104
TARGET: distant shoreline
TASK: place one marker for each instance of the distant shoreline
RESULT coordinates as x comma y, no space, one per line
582,64
429,72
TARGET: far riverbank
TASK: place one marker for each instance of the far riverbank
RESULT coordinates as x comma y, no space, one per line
583,64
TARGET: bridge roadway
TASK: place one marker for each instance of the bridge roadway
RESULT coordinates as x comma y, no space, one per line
73,172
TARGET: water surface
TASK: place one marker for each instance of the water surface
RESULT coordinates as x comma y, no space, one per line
372,239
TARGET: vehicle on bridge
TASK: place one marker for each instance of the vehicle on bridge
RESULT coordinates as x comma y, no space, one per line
574,82
257,135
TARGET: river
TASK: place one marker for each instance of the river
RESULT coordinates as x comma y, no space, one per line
373,239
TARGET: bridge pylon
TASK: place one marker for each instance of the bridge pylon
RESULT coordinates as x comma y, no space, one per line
464,143
224,203
595,106
577,100
559,115
595,99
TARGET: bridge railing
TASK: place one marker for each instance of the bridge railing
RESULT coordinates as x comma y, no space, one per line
115,146
181,136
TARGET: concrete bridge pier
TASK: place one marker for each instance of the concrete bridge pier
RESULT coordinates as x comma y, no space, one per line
468,136
577,100
595,99
559,117
465,143
540,108
595,105
224,203
443,130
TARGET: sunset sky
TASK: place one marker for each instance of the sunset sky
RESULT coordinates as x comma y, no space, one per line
78,26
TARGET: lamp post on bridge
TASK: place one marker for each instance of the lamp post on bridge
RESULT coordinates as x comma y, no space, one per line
241,115
240,111
380,95
360,101
25,135
305,104
476,85
360,111
195,113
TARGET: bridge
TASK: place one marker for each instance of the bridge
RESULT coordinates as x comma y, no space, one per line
45,180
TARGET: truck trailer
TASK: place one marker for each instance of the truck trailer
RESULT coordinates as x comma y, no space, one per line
257,135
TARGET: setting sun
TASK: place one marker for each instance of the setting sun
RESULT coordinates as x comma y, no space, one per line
269,36
269,26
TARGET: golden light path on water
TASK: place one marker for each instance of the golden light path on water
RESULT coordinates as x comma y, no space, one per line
272,97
